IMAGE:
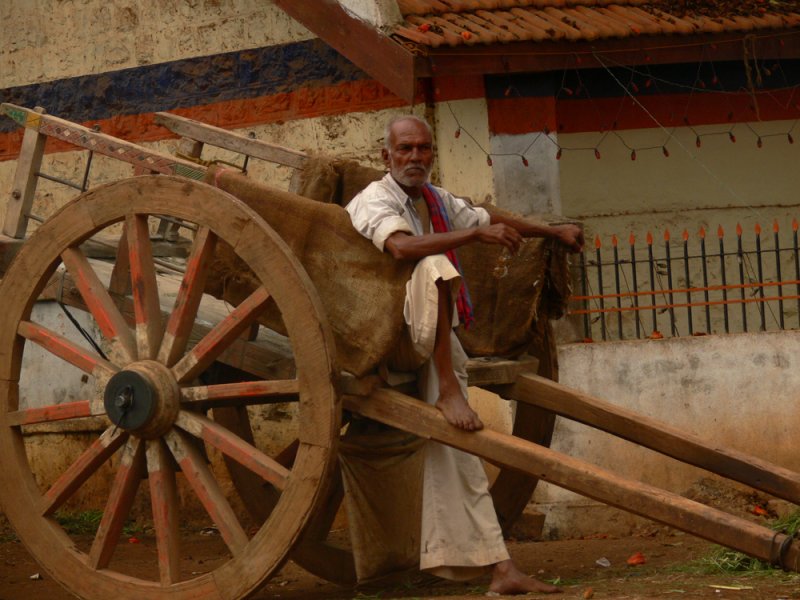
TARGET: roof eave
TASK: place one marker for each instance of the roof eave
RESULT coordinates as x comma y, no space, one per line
520,57
365,46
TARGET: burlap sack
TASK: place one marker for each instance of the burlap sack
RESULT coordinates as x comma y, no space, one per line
362,290
382,473
511,292
334,180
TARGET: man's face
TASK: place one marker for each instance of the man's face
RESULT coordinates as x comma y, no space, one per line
410,154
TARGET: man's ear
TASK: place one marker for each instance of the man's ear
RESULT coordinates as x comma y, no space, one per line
385,157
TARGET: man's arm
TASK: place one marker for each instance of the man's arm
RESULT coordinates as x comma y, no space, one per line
403,246
505,231
568,234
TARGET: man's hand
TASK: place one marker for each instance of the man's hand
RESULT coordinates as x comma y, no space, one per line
502,234
569,235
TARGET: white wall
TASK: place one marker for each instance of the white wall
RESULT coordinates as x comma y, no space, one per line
740,391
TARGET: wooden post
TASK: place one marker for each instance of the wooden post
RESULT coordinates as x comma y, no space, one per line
28,165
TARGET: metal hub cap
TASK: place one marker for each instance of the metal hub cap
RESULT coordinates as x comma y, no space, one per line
144,399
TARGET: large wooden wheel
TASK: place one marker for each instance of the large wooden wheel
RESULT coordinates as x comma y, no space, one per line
146,390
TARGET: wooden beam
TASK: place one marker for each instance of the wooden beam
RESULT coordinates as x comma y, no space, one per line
397,410
222,138
25,178
657,436
365,46
100,143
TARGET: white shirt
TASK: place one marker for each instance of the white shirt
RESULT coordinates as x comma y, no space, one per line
383,208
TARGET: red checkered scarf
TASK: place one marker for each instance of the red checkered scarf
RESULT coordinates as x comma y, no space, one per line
441,224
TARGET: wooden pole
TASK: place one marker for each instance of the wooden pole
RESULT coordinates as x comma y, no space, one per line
397,410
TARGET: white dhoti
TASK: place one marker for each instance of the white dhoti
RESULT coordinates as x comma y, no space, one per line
460,535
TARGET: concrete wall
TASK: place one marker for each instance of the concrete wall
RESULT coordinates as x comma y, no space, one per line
62,42
720,183
741,391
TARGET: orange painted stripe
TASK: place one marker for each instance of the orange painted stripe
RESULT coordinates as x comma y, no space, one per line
47,414
304,103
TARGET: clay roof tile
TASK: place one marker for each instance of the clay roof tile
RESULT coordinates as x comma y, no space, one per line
457,22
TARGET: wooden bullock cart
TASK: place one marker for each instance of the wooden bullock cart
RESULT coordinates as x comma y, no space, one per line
159,418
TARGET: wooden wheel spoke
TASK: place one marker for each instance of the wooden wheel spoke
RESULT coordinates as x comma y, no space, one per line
86,360
146,307
48,414
242,394
234,447
100,304
208,491
221,336
120,500
164,499
188,299
79,471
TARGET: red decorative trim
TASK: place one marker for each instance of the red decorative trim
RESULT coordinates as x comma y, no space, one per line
526,115
305,103
522,115
468,87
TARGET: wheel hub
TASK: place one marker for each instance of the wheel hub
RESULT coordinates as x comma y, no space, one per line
143,399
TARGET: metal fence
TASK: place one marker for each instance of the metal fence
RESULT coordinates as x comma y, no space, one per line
695,286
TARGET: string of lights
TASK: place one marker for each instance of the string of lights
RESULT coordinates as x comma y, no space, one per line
650,84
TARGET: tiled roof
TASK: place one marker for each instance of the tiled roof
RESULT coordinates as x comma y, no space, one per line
436,23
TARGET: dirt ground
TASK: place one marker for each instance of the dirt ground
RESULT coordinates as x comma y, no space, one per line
673,564
674,569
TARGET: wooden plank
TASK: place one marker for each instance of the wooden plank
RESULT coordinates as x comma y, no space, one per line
51,413
146,308
243,393
222,138
8,250
101,305
366,46
28,164
166,517
221,336
84,467
188,299
414,416
120,499
100,143
234,447
57,345
497,371
268,357
208,491
658,436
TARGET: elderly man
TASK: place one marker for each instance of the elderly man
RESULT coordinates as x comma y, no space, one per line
412,220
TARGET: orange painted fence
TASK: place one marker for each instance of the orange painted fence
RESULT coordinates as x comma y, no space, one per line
689,287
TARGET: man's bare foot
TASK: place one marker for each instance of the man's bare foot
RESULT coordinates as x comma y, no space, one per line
508,579
457,411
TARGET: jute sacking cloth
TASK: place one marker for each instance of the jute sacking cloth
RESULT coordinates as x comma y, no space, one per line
509,293
362,290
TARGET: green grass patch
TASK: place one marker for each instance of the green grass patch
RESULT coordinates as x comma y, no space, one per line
86,523
725,560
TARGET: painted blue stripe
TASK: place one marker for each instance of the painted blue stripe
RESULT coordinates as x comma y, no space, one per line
186,83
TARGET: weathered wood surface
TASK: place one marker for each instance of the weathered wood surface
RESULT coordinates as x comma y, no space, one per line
235,142
581,477
28,164
269,356
138,156
252,555
653,434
